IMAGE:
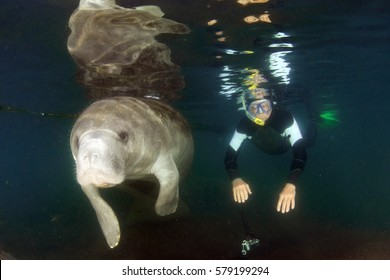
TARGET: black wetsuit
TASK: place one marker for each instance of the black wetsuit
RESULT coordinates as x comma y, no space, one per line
278,135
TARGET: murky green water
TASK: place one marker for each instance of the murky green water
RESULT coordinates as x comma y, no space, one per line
336,52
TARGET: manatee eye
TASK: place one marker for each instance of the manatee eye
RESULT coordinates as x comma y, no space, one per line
124,136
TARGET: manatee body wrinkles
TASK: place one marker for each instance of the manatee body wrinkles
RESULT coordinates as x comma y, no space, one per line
121,138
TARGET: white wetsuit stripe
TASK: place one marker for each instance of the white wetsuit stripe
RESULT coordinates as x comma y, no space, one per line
293,133
237,139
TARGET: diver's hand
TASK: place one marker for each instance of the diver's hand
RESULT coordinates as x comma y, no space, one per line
286,199
241,190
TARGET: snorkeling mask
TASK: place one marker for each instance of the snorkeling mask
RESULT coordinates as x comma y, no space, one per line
257,106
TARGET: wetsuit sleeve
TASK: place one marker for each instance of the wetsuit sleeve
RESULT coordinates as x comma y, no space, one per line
294,135
232,154
298,163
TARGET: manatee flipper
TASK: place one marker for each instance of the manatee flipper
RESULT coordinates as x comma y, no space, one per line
106,216
168,176
151,9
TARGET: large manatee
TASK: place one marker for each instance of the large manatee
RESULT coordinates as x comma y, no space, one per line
122,138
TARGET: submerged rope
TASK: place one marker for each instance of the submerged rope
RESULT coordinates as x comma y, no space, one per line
7,108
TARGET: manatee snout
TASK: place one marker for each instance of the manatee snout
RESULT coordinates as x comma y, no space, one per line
98,162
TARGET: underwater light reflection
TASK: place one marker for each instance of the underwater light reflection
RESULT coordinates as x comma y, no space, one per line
280,67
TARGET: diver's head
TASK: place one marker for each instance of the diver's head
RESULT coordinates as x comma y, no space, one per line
257,103
259,110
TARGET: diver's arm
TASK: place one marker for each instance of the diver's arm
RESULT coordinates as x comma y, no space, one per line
232,154
299,152
286,200
240,188
231,163
298,162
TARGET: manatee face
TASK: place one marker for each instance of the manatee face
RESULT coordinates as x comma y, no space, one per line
99,160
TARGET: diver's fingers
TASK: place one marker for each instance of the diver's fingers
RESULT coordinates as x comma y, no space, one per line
287,204
241,192
283,202
286,207
244,195
278,208
283,207
248,189
290,203
235,195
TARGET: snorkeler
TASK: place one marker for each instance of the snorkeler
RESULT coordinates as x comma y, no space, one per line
274,131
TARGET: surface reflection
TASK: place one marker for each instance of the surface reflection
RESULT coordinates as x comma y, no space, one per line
117,53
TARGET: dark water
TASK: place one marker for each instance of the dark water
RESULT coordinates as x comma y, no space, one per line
339,55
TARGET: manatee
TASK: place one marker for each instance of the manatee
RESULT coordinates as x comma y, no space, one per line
125,138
